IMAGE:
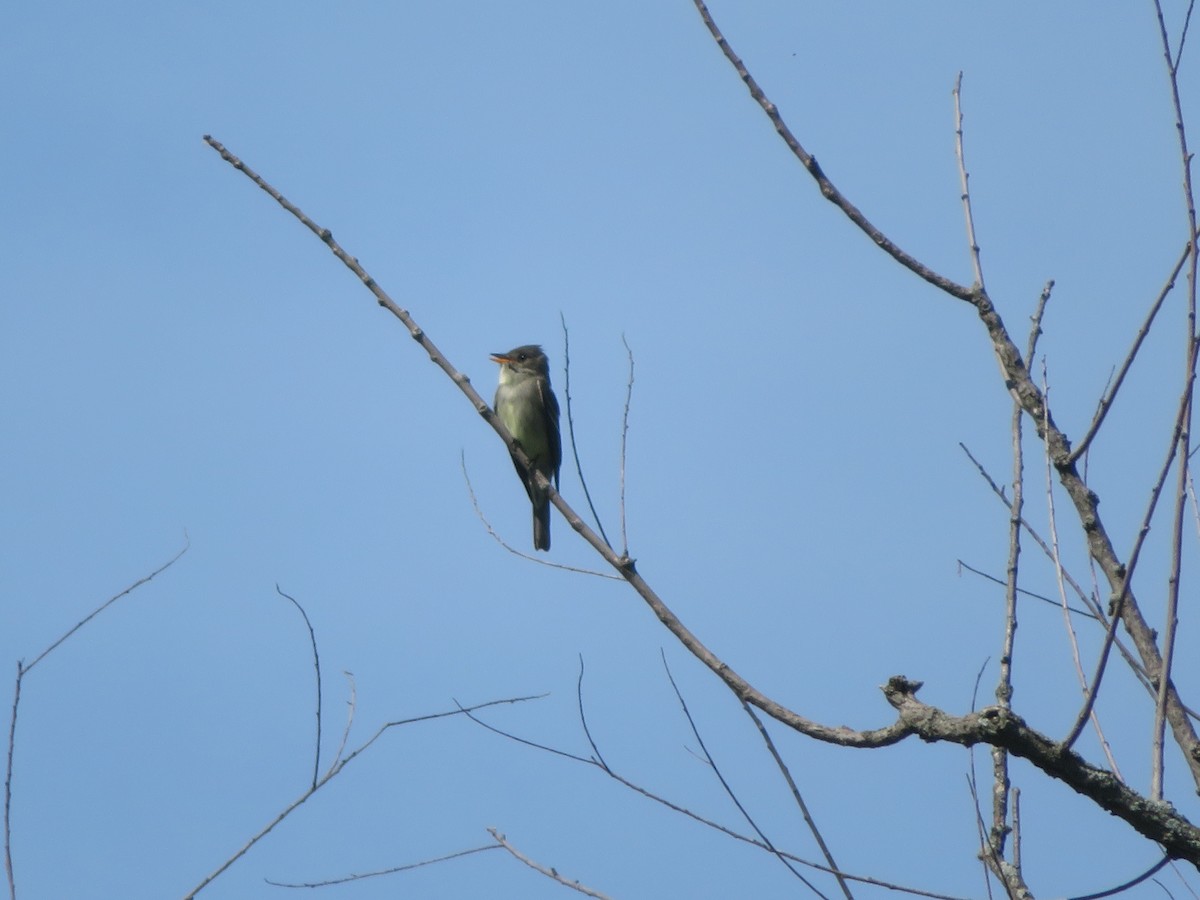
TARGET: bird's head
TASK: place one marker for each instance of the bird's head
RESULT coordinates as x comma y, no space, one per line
527,360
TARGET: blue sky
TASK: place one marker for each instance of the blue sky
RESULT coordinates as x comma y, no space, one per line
177,355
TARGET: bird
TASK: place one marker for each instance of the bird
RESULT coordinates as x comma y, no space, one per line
529,410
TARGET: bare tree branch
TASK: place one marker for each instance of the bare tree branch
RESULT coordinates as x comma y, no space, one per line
345,879
1068,625
803,807
729,791
1009,877
351,709
1075,610
338,765
587,732
109,602
624,444
1110,395
23,670
312,636
509,547
1133,882
964,179
1183,32
828,190
992,725
587,494
548,871
1183,432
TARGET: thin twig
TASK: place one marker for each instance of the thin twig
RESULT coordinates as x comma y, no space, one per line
12,743
312,636
392,871
964,180
351,708
796,795
1120,888
988,856
23,670
571,427
583,718
1035,321
1110,394
1183,33
987,844
624,441
729,792
548,871
1182,877
1183,433
110,601
1068,624
1033,595
509,547
1195,500
1016,828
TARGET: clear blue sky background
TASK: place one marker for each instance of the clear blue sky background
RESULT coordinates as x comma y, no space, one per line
176,353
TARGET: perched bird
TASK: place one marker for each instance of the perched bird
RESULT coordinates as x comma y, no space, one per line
529,410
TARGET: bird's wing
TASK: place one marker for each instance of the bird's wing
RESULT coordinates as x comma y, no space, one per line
550,404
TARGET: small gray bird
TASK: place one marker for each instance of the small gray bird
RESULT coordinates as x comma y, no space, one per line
529,410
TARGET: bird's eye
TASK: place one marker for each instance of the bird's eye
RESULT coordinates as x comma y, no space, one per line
522,357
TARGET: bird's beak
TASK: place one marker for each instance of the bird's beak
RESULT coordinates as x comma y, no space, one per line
500,358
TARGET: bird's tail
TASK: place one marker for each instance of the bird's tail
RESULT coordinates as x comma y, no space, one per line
541,522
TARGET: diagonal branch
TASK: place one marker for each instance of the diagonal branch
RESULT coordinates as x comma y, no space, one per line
624,565
798,797
828,190
1110,395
